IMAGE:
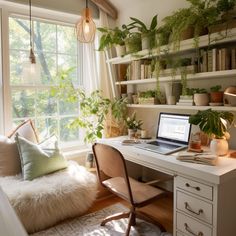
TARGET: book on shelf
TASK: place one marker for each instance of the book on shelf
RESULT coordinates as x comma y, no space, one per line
184,103
185,100
214,59
233,58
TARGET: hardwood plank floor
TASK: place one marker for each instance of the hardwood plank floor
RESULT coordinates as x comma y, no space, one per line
161,210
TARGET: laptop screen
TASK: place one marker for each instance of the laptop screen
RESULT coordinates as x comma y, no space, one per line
174,127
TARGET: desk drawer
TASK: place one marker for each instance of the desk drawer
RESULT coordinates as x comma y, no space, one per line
194,207
192,227
194,187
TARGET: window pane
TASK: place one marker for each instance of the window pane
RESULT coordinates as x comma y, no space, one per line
47,127
19,34
23,103
48,66
46,105
67,42
66,108
17,57
67,134
45,39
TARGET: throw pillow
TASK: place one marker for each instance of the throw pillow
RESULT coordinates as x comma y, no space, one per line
9,157
26,130
37,161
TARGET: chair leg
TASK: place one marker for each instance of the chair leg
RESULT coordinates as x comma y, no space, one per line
130,223
145,217
115,217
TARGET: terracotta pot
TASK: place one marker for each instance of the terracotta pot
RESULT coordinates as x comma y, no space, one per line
201,99
217,97
219,147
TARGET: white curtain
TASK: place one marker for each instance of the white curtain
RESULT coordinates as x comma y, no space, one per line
90,72
106,71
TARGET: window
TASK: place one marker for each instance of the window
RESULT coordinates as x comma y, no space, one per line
56,49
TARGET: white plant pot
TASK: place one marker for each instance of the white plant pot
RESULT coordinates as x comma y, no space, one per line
145,42
219,147
201,99
120,50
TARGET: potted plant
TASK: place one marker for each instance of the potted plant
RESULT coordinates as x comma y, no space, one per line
147,33
133,125
94,108
216,95
200,97
112,37
147,97
215,125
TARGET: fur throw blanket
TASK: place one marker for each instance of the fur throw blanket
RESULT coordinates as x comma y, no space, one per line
47,200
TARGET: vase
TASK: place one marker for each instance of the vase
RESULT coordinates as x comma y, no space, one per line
131,133
219,147
120,50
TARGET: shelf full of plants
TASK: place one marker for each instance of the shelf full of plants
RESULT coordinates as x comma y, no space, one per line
194,43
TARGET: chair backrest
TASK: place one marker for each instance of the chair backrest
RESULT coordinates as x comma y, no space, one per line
110,163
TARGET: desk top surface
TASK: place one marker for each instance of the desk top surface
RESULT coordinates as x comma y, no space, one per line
223,171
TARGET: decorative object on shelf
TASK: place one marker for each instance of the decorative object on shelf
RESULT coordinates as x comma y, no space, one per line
216,95
147,34
85,27
133,125
201,97
215,125
230,96
31,69
195,142
172,91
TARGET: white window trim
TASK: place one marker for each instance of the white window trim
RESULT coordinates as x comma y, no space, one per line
8,9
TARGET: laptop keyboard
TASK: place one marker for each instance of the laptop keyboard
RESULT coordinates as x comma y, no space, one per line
165,145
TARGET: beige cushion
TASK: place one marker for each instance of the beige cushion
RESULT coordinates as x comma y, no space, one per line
9,157
25,130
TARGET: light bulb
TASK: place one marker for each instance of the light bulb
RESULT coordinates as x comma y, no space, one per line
86,28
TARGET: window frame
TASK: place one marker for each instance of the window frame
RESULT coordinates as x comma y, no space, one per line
44,15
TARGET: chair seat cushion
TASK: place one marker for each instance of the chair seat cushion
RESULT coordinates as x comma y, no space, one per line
141,192
44,201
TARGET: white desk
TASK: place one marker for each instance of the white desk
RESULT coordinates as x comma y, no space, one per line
204,196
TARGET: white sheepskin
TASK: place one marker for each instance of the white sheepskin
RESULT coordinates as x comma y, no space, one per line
45,201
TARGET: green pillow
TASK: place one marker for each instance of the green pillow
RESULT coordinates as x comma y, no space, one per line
37,161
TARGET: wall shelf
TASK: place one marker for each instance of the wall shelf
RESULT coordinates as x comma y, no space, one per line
177,107
185,45
198,76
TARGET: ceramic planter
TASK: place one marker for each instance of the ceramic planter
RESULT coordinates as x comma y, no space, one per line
219,147
145,42
120,50
201,99
230,96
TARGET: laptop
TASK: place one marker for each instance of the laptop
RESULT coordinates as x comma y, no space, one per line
173,132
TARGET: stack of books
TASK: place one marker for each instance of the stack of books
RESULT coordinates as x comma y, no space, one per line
185,101
199,158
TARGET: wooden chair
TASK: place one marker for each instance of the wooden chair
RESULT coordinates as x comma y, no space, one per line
112,174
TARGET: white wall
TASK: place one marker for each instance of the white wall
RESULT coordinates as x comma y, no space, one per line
145,10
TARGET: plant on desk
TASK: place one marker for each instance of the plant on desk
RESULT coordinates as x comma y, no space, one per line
215,125
133,125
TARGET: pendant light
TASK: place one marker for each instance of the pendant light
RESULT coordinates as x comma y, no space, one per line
85,27
31,70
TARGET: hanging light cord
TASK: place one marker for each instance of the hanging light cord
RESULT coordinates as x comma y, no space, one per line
30,24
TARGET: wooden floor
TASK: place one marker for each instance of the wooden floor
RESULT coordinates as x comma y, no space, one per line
162,209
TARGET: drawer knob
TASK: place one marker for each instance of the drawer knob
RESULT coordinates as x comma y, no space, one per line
191,232
189,186
187,207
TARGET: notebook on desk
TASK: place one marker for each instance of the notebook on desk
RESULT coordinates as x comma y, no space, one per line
173,131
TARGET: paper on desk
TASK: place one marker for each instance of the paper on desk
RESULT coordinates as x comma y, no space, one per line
200,158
